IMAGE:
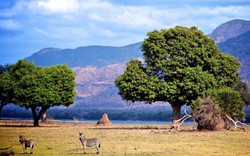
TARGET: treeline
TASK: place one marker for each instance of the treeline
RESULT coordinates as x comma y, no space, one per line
92,114
115,114
146,114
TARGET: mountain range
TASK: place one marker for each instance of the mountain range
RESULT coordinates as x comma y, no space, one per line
97,56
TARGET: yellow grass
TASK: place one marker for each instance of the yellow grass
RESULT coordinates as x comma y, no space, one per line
63,139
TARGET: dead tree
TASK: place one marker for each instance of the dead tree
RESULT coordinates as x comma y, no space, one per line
238,124
177,123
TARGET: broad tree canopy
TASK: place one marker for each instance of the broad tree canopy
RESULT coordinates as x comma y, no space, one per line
180,64
41,88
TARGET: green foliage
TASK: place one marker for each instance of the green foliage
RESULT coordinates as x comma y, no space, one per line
229,101
62,84
242,88
41,88
180,64
6,90
167,51
136,85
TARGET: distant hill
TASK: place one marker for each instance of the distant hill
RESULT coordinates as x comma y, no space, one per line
97,56
239,47
230,30
95,86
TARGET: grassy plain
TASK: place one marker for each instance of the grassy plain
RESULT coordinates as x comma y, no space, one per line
63,139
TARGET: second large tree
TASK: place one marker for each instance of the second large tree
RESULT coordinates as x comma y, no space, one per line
179,65
40,88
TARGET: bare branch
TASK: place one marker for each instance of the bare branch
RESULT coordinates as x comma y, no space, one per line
238,124
177,123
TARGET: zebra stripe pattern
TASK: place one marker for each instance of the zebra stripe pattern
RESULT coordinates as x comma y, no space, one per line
89,143
26,143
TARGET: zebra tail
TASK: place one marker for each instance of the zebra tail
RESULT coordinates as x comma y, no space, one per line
99,145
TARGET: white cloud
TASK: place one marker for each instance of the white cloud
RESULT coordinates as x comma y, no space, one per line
68,33
10,24
41,31
108,33
58,6
96,17
96,4
100,21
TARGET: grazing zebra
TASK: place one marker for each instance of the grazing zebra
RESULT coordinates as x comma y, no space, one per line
26,143
89,143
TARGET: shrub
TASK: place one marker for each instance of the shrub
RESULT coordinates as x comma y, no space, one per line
230,102
207,114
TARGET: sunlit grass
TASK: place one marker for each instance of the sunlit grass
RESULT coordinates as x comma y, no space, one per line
63,139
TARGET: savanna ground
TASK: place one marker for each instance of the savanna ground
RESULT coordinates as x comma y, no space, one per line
63,139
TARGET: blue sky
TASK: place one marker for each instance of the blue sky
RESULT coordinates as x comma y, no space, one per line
26,26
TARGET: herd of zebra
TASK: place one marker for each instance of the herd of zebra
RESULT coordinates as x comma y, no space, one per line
85,143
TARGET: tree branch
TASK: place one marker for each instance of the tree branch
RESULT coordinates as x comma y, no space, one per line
238,124
177,123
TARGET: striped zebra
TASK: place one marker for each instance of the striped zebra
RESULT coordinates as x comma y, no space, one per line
26,143
89,143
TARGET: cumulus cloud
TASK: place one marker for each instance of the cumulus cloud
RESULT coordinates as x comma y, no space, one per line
141,18
58,6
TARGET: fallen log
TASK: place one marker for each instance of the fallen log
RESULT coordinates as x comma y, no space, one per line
238,124
177,123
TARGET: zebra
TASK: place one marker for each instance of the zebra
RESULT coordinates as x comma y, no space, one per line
89,143
26,143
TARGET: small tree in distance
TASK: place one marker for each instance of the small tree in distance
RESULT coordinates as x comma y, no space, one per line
40,88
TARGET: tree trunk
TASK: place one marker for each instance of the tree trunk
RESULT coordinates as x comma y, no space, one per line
35,117
1,108
176,106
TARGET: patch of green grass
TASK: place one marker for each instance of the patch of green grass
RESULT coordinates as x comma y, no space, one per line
63,139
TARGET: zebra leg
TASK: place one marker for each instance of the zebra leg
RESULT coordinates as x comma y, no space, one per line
84,148
24,150
97,148
31,149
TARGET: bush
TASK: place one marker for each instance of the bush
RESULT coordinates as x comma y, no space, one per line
207,114
230,102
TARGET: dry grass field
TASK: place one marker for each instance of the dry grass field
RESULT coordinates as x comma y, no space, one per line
63,139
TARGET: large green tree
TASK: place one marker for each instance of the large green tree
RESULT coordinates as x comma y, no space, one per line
179,65
6,90
40,88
